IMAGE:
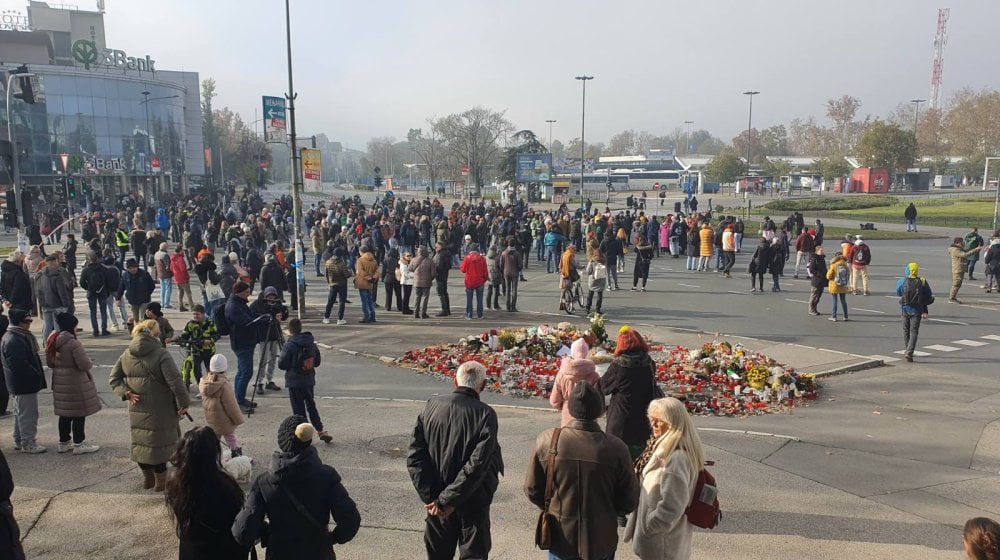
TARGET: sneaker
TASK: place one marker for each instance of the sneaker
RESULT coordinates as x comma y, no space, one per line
814,312
341,322
326,321
834,318
908,357
753,290
795,276
634,289
33,449
325,437
260,388
643,289
83,448
845,318
64,446
954,301
272,386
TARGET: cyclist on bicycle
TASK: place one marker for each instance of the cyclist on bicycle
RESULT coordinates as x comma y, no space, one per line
201,334
569,272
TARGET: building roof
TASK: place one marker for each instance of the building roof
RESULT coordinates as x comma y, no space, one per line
31,47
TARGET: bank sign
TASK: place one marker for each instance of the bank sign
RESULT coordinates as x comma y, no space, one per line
86,53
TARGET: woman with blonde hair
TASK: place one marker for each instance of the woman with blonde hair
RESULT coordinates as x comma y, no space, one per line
146,376
668,472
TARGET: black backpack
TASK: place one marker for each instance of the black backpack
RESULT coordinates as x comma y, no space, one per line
219,316
96,282
914,294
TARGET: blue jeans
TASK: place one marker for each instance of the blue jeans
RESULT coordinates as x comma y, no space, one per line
244,371
539,248
49,320
843,303
551,258
911,224
479,302
319,258
93,302
367,305
166,291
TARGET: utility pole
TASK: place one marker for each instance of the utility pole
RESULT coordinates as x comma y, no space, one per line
583,126
687,137
296,173
916,113
550,121
749,122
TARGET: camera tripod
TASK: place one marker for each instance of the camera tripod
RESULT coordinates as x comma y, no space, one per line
272,322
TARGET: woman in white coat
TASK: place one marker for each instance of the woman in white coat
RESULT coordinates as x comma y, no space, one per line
668,470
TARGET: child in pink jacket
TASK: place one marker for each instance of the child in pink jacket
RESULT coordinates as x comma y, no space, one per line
573,369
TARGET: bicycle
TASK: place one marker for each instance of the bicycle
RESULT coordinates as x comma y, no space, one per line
187,368
571,296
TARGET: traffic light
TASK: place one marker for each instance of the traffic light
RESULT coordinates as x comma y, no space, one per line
29,89
11,218
70,188
84,187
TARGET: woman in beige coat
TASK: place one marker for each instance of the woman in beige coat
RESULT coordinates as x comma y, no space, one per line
668,471
218,402
74,394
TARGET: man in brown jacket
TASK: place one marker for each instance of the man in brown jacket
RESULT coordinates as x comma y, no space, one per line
422,268
958,266
365,277
592,481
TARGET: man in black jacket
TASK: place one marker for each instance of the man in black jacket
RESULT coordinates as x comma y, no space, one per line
243,336
298,497
15,286
271,276
442,265
455,463
24,377
268,304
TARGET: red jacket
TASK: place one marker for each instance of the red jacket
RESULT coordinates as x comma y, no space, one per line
475,271
178,266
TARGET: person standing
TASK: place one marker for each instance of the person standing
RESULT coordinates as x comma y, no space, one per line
442,266
299,359
476,274
706,237
422,268
991,263
74,395
914,296
910,215
510,267
972,241
838,278
631,383
218,402
759,263
495,284
243,333
269,306
165,274
391,277
10,533
777,264
365,278
817,280
15,284
92,279
137,288
69,254
958,267
181,277
298,496
53,287
24,377
573,369
203,499
455,463
804,245
728,251
668,471
146,376
597,280
643,258
861,257
337,273
592,480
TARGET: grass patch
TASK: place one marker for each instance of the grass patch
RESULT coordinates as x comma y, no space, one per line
938,212
832,233
829,203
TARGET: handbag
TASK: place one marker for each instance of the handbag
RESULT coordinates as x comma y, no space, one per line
543,530
308,517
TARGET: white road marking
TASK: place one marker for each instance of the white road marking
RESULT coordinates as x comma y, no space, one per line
917,353
688,285
868,310
797,301
972,343
735,292
995,337
887,359
942,348
946,321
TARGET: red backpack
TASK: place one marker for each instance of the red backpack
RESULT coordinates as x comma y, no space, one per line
704,510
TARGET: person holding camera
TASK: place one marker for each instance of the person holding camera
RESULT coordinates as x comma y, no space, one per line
269,304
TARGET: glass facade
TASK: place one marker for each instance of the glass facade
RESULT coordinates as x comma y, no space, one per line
106,124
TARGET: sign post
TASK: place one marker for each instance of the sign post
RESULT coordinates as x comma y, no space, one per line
312,170
274,120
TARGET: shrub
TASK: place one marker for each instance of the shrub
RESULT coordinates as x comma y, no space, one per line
829,203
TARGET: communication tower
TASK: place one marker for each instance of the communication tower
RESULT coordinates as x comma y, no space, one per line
940,40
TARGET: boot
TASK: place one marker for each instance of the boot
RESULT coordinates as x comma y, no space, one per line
446,305
160,481
147,479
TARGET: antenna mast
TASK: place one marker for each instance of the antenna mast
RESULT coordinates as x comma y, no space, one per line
940,40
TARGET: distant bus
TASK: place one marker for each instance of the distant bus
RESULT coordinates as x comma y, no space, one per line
648,180
594,184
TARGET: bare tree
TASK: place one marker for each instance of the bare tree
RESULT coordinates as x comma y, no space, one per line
471,137
429,149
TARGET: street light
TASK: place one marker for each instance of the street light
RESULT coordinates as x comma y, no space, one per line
996,199
550,121
687,138
296,172
583,124
749,122
916,113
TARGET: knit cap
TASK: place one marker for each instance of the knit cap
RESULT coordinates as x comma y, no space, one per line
218,364
585,402
295,434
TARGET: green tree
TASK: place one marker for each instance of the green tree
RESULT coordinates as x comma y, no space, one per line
727,167
776,168
528,143
831,167
886,145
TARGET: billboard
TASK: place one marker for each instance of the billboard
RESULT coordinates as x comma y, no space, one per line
274,119
534,168
312,165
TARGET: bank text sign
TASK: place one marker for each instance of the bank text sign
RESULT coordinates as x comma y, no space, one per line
86,53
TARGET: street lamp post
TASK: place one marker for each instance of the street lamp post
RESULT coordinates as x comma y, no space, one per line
550,121
296,172
986,182
916,113
749,123
583,125
687,137
22,242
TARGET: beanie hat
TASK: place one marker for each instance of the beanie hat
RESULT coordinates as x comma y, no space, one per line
18,315
579,349
295,434
585,402
218,364
957,241
156,308
67,322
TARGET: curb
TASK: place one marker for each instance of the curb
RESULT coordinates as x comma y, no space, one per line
850,368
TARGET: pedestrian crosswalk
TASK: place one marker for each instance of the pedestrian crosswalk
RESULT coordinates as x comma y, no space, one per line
954,346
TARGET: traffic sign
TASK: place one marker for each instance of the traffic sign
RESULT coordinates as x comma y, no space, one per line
274,119
154,163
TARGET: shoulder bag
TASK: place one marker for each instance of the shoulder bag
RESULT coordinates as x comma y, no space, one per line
308,516
543,530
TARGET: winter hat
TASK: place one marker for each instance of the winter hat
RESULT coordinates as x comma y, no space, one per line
218,364
270,291
156,308
67,322
295,434
18,315
585,402
233,257
957,242
579,349
858,240
131,262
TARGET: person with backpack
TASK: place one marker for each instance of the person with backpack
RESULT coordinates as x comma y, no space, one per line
668,471
299,359
817,277
92,279
914,296
992,264
838,276
861,257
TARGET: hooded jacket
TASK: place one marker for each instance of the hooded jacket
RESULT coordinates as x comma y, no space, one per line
912,271
52,289
366,271
15,286
475,270
22,367
73,391
630,382
293,353
218,402
147,369
493,266
831,276
318,489
571,371
422,268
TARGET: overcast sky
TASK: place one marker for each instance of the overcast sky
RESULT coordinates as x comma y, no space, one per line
377,68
